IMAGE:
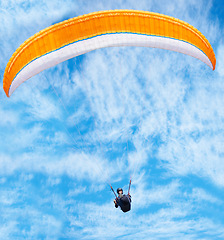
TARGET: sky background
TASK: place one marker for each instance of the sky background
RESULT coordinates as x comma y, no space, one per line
154,115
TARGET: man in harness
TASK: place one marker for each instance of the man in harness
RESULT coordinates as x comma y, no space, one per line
123,201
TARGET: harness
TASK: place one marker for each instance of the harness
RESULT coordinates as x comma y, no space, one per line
125,201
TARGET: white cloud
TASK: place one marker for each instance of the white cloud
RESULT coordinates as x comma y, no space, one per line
75,165
95,221
5,229
8,197
194,141
37,104
200,195
169,222
53,181
76,191
168,109
2,180
220,61
144,197
8,117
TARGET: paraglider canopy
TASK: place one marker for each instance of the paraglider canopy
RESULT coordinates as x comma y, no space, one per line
82,34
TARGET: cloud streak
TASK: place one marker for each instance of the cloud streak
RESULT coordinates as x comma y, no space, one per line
99,118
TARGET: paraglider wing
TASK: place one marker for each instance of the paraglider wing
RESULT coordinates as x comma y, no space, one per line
82,34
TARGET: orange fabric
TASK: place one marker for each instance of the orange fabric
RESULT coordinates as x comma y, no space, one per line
93,24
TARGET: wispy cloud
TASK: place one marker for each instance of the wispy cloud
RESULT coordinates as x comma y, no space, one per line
149,113
220,60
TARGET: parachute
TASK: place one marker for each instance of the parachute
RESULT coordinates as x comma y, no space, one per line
112,28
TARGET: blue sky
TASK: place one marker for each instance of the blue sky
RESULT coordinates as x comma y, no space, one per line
110,114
